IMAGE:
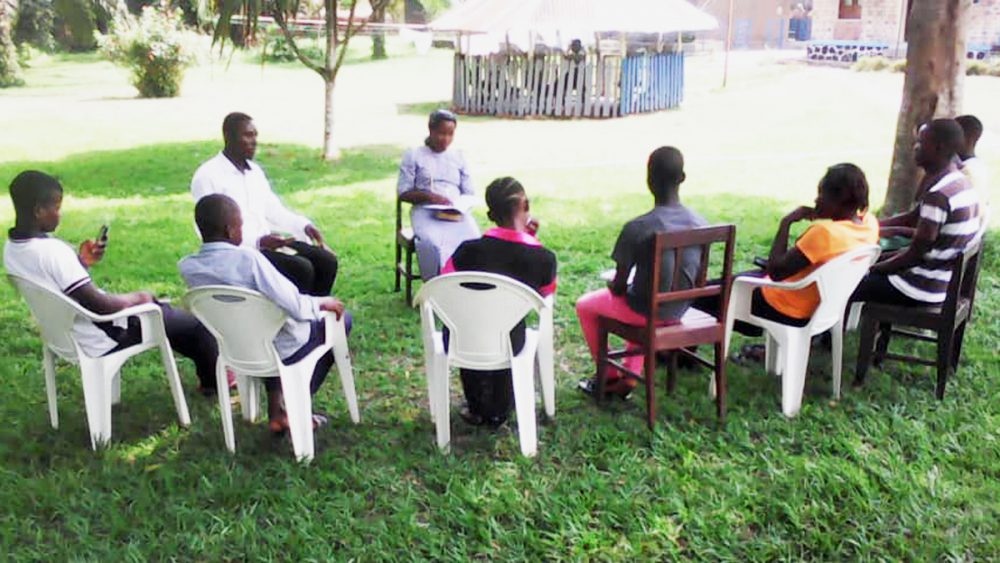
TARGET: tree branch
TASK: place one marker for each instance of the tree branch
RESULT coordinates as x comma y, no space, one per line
352,31
279,18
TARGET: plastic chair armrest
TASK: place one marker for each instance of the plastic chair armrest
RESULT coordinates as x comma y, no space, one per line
768,282
140,311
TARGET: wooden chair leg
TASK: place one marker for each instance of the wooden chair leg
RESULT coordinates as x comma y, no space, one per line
882,344
395,266
649,370
865,345
944,358
957,346
600,373
720,381
409,277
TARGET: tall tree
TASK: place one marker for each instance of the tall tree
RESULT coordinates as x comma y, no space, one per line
10,70
933,87
335,48
378,36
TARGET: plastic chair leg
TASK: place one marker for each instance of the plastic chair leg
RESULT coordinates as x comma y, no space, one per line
174,380
838,356
524,403
97,398
116,388
342,356
546,373
49,363
442,401
225,407
854,315
430,370
249,397
298,407
772,355
795,359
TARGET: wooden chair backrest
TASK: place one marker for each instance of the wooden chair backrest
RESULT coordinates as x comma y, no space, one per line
677,242
964,277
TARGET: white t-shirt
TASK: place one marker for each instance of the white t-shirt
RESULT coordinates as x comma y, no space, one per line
262,211
53,264
979,176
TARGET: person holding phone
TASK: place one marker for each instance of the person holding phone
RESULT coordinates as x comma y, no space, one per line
435,179
32,253
267,224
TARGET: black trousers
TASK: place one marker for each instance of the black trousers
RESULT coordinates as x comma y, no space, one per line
325,362
312,269
490,393
187,337
876,288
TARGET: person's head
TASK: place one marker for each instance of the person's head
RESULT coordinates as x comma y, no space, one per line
218,218
240,135
938,142
973,129
506,201
842,193
37,199
441,126
664,171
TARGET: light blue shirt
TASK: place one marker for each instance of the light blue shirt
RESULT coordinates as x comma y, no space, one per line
444,173
222,263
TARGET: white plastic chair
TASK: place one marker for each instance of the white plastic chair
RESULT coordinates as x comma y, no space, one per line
788,346
55,314
480,310
244,323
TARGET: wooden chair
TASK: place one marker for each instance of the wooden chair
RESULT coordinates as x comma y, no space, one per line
947,321
404,242
694,328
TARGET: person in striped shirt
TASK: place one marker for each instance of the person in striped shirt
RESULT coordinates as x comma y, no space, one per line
945,222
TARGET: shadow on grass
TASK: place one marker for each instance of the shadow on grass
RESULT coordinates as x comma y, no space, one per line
166,169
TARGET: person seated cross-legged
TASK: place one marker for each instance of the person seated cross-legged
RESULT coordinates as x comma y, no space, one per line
627,302
223,261
31,253
509,249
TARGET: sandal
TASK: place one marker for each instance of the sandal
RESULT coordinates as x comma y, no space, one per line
612,388
750,354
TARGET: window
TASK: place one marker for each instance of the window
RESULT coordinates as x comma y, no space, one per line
850,9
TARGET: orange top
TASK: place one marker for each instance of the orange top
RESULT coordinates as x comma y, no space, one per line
822,241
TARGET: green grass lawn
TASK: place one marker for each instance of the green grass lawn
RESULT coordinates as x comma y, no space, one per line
886,473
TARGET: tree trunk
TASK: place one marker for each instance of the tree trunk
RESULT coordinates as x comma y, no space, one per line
10,70
378,36
330,150
935,72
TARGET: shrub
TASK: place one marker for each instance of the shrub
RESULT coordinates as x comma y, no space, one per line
983,68
35,20
275,47
871,64
155,47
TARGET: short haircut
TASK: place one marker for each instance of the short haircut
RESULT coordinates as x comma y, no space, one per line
232,122
502,198
665,167
846,184
439,116
972,127
212,213
948,134
31,189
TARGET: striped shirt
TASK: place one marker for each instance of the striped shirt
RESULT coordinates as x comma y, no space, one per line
953,207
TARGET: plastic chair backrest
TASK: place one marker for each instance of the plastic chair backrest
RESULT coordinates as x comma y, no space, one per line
837,279
479,309
243,321
55,314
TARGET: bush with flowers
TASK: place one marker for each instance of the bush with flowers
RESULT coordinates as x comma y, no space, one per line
155,47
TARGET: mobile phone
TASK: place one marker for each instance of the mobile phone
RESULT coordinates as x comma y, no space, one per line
102,235
760,262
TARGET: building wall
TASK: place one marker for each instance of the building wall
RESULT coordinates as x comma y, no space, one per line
756,23
881,22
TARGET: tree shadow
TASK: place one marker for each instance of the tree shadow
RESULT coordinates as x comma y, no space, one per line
166,169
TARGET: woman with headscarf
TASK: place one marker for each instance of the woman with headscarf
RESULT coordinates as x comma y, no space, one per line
435,180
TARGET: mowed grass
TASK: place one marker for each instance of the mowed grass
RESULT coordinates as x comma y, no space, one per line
888,472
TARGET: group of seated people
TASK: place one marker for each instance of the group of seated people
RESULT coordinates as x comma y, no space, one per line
251,240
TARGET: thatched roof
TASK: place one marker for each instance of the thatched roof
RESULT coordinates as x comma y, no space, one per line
577,16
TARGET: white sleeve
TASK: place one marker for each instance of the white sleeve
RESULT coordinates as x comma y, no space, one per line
201,184
64,267
280,216
282,291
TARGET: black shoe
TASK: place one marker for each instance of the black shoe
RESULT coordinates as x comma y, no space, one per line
611,389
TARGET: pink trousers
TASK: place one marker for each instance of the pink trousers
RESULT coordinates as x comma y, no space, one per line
603,303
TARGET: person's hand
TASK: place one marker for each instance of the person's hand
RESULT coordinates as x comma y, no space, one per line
332,305
140,297
532,226
313,233
437,199
272,242
91,252
800,213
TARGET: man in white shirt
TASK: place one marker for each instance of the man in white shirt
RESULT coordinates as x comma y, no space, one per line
973,167
267,224
223,260
32,254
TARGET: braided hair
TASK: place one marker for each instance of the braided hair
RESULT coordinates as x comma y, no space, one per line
503,197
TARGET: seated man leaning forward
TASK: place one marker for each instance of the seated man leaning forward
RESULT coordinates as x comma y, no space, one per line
840,223
944,222
509,249
628,302
268,225
223,261
31,253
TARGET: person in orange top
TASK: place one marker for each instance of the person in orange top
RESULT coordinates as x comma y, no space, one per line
841,222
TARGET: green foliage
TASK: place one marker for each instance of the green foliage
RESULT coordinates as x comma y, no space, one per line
275,48
75,24
871,64
10,68
155,47
983,68
35,20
